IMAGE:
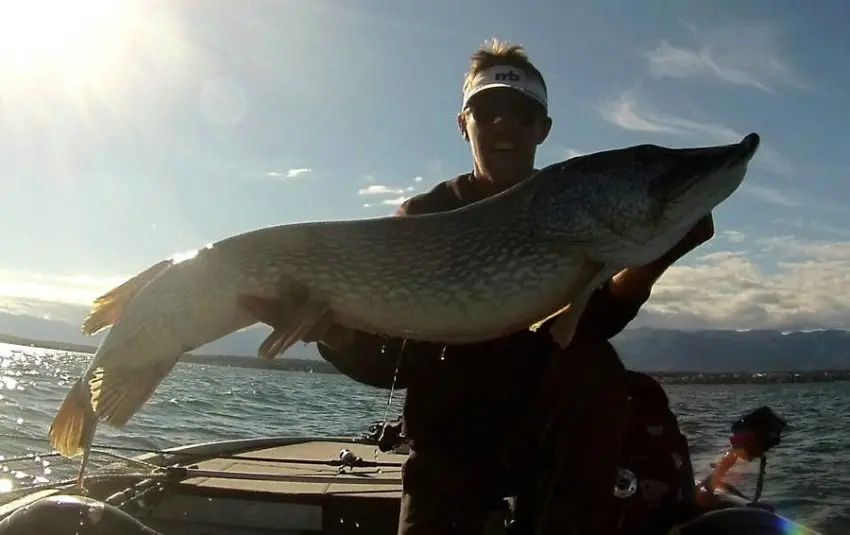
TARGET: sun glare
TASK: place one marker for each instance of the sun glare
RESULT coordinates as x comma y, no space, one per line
48,33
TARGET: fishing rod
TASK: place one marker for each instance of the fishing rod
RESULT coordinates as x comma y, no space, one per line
346,457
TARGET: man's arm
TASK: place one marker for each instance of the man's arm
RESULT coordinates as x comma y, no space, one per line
636,283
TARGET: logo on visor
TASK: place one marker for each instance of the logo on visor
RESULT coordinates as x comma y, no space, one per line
509,76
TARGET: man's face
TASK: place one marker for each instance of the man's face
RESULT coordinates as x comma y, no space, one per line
504,127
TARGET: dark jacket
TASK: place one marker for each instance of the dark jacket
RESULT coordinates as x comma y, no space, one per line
459,395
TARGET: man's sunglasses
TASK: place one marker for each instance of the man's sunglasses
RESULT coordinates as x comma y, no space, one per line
522,111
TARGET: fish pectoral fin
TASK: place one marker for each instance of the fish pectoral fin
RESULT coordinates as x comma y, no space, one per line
74,424
563,329
285,335
588,272
117,394
108,308
290,319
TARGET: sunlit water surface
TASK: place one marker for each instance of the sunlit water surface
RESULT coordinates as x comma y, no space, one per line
808,474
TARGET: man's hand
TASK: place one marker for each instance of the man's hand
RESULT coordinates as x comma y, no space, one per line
636,283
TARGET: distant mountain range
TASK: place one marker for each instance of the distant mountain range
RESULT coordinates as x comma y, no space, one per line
644,348
720,351
242,343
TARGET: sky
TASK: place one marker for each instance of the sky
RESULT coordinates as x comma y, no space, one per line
130,134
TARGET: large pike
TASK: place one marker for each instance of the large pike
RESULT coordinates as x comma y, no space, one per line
472,274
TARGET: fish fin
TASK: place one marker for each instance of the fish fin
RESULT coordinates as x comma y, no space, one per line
564,328
74,424
108,308
587,273
290,321
118,394
285,336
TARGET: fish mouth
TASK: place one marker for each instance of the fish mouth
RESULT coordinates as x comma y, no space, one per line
718,167
750,144
744,150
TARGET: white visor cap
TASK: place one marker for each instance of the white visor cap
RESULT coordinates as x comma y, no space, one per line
509,77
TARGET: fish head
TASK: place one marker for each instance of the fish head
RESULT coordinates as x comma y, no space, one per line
630,206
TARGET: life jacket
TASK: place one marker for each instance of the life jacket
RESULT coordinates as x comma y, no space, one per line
655,452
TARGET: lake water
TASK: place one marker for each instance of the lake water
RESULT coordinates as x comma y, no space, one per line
808,476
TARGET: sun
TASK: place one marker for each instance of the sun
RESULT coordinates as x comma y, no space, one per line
35,34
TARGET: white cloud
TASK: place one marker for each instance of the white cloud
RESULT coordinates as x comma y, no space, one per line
49,310
734,236
395,201
380,189
292,173
397,195
736,54
573,153
807,286
79,290
627,113
59,297
673,62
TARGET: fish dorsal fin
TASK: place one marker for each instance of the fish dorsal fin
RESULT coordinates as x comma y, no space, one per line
107,309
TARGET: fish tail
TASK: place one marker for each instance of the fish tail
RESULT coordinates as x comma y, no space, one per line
74,424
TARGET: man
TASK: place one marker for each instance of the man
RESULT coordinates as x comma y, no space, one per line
516,416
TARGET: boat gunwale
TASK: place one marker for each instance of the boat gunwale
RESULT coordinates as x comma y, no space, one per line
193,453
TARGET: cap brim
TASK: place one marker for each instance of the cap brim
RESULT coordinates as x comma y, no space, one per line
499,85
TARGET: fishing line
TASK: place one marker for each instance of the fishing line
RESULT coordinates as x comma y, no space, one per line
395,380
99,446
390,396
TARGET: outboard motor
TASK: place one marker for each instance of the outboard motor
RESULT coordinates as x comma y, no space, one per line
753,435
71,515
756,433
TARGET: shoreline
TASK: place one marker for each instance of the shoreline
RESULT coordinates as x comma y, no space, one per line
321,366
240,361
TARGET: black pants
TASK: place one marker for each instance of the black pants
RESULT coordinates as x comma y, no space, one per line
565,466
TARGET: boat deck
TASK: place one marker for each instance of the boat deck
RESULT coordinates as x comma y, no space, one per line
287,477
267,490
